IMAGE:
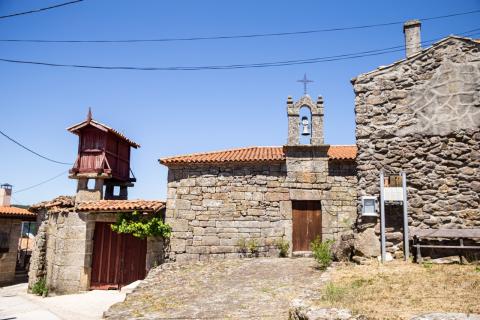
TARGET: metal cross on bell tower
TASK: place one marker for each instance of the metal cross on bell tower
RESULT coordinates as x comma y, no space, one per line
305,81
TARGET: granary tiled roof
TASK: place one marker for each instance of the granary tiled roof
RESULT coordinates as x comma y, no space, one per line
101,126
120,205
254,154
15,212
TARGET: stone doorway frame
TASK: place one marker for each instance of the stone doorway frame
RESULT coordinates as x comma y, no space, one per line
302,195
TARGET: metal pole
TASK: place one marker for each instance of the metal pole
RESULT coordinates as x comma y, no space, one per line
405,218
382,216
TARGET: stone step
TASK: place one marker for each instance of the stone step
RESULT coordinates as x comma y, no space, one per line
302,254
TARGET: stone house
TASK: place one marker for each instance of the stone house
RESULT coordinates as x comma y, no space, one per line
76,249
11,219
421,115
218,201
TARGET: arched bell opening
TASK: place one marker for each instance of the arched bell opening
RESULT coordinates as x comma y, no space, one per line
305,124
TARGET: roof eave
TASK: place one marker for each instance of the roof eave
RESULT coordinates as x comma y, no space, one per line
194,163
74,129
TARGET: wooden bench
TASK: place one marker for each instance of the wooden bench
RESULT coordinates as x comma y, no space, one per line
460,234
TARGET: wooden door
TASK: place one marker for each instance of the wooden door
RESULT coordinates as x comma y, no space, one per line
118,258
307,223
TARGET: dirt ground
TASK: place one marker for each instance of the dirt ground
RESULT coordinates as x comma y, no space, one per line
230,289
399,290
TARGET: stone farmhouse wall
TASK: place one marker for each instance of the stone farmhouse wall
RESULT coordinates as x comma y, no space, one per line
422,115
212,208
8,259
64,251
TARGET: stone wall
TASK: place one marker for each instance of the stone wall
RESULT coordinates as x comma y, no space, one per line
38,260
69,253
212,208
422,116
8,260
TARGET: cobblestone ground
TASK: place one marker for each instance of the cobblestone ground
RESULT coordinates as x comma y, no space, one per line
260,288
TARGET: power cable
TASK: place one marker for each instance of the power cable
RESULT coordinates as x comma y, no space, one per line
39,10
40,183
30,150
233,66
224,37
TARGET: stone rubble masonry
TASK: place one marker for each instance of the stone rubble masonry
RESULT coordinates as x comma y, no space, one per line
213,207
38,260
8,259
422,115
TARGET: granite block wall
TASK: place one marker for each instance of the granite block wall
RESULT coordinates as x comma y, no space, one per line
214,207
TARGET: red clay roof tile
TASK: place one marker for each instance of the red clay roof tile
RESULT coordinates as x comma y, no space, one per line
253,154
342,152
120,205
15,212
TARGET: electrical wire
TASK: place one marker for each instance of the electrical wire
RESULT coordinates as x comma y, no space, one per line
242,36
30,150
41,183
39,10
234,66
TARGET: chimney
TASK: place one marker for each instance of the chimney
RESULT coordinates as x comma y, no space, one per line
413,44
5,194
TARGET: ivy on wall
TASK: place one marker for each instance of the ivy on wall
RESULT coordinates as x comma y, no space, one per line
141,226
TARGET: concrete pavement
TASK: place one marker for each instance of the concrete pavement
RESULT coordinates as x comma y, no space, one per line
16,303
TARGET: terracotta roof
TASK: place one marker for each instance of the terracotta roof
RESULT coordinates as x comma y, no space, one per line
254,154
59,204
103,127
342,152
120,205
15,212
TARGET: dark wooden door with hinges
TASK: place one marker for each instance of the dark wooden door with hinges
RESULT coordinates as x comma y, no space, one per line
307,223
118,259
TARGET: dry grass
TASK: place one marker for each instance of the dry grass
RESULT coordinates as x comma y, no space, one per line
400,290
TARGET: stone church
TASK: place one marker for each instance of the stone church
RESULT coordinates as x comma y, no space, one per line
420,115
218,200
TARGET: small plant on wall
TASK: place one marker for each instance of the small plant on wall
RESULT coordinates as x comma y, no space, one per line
283,246
253,247
141,226
242,246
40,287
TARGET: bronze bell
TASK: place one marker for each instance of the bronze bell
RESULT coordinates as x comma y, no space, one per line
306,127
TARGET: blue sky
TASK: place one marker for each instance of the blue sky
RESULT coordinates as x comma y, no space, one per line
171,113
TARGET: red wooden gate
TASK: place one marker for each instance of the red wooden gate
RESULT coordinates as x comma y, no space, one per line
307,223
118,258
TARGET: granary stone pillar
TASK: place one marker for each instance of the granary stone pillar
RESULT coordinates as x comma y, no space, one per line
86,194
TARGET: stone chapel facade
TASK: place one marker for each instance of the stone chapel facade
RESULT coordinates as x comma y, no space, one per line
216,201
